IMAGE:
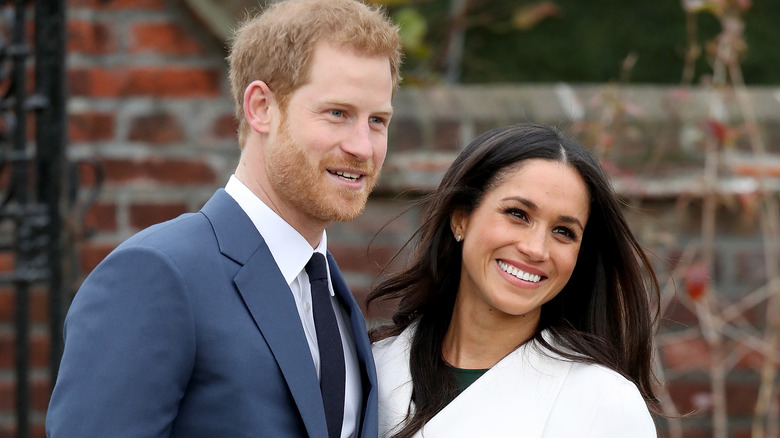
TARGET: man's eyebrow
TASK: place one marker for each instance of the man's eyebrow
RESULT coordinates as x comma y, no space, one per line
387,110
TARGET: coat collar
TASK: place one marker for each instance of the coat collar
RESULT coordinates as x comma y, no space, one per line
526,381
368,424
268,299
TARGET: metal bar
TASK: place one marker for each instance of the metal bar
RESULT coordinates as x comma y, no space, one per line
50,137
19,183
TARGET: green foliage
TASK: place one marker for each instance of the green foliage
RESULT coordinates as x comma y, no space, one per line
581,41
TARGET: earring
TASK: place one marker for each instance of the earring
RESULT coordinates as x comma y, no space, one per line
458,238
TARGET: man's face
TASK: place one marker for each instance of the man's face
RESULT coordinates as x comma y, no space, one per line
332,139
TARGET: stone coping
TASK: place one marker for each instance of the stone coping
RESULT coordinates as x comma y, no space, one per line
431,125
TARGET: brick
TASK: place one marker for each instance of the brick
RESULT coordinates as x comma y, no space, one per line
741,397
145,215
690,395
357,258
39,351
164,39
752,359
93,253
378,311
30,127
144,81
156,128
38,303
7,351
159,170
7,261
90,38
382,218
37,430
750,267
5,176
225,127
692,431
743,432
7,395
102,217
91,126
678,315
405,134
88,173
117,4
40,391
6,304
446,135
686,354
39,306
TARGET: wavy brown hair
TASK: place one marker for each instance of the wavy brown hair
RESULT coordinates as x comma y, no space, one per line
604,315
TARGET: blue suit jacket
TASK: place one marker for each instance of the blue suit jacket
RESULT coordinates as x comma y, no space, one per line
188,329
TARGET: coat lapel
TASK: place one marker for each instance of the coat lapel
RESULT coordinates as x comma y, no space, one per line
269,300
515,397
368,425
516,394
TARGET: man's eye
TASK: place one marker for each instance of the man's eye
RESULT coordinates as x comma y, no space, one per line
337,113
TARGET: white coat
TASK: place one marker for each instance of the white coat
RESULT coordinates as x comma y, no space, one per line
527,394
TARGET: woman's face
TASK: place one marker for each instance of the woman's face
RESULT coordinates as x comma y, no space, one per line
520,245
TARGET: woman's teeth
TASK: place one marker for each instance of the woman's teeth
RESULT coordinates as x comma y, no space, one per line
533,278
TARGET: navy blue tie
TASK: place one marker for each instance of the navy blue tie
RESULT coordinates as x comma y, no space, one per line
332,371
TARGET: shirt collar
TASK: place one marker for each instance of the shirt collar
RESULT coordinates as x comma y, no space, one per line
288,247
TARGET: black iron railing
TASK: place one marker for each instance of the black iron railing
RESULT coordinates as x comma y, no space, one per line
32,169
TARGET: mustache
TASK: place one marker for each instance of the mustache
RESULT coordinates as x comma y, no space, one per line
366,167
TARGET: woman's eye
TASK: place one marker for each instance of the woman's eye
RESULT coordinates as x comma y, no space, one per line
520,214
566,232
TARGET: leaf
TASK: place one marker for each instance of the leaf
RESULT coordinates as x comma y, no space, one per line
528,16
696,279
716,129
413,26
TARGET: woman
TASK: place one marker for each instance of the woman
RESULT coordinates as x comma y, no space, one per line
526,307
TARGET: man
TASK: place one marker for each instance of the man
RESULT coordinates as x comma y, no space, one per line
207,325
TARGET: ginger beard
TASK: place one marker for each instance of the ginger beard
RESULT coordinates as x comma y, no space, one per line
307,185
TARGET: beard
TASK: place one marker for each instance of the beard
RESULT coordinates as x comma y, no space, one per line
302,181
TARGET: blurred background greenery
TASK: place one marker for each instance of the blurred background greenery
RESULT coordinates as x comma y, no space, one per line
576,41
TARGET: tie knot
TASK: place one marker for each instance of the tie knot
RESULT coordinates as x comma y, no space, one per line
316,268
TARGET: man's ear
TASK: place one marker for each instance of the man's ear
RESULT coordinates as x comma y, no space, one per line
258,104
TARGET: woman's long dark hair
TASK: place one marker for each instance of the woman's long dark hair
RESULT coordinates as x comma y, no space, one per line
604,314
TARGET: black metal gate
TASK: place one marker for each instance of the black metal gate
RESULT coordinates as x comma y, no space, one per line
32,173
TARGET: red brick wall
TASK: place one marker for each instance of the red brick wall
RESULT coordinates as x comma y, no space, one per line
149,103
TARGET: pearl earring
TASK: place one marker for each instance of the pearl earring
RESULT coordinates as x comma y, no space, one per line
458,237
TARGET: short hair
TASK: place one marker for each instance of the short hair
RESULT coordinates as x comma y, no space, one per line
276,46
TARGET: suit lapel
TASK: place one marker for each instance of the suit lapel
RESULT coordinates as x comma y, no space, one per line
368,424
269,300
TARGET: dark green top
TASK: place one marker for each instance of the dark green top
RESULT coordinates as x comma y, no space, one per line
465,377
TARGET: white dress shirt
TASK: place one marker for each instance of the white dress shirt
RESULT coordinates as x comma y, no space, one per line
291,252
